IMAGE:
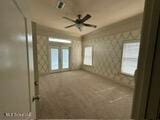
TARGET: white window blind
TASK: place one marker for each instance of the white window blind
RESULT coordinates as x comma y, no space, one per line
130,58
87,56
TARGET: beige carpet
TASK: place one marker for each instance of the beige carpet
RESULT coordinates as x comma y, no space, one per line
82,95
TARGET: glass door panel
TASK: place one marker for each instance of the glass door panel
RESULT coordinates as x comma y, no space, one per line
65,58
54,59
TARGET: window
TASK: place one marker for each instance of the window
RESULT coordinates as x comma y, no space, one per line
130,58
60,58
59,40
65,58
54,58
87,56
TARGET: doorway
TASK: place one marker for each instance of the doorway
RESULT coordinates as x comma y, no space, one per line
60,59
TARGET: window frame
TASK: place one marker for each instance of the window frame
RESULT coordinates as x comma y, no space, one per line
125,42
84,55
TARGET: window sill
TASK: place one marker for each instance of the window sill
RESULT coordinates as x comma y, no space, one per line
126,74
87,65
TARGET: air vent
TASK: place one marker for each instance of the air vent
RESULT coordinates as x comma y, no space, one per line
60,4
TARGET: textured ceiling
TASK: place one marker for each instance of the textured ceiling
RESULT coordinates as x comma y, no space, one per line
104,12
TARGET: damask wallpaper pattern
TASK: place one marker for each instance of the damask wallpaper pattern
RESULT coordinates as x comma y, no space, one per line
43,54
76,54
107,52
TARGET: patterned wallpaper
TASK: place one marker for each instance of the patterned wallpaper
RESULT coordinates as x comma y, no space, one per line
107,52
43,54
76,54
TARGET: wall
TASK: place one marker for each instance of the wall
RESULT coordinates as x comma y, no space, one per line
107,45
43,34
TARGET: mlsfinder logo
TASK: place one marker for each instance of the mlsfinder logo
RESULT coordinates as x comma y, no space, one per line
28,114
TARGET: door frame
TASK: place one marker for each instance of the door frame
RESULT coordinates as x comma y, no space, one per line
146,60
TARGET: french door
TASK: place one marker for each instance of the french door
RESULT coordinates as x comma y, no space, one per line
60,59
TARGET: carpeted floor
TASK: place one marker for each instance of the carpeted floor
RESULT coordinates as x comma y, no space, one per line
82,95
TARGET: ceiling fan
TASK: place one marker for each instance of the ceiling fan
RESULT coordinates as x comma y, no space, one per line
80,22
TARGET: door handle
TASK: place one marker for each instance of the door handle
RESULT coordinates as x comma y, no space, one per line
36,98
36,83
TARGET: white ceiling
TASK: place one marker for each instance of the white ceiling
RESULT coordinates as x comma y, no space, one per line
104,12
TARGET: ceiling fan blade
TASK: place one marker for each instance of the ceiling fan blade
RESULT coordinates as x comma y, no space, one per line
85,18
70,26
89,25
69,19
